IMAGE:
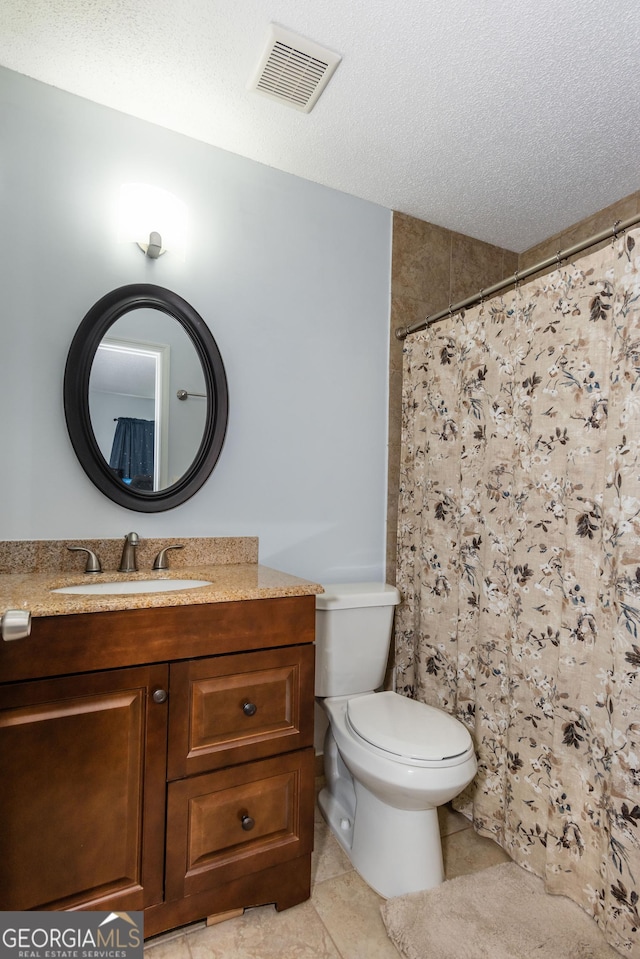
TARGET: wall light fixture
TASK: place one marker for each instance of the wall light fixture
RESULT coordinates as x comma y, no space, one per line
153,218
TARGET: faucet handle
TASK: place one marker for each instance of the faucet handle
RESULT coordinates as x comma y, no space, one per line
161,561
93,563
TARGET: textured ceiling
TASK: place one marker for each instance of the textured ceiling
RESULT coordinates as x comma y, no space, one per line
507,120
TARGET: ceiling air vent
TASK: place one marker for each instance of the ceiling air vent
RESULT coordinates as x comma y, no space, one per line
293,70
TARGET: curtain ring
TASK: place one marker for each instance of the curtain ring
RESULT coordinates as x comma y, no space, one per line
450,312
516,279
615,233
559,258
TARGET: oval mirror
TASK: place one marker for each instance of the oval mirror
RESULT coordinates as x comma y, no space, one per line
145,397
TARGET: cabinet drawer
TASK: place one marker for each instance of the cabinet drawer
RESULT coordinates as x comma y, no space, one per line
232,709
239,820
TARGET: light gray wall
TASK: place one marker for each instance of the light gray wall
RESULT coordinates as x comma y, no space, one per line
293,280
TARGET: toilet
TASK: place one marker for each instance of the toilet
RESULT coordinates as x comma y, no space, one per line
389,761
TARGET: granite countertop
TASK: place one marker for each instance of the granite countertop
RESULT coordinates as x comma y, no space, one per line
229,583
229,564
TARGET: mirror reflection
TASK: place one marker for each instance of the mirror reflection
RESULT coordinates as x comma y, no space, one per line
147,400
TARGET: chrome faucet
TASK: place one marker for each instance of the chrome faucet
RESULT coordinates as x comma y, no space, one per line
128,562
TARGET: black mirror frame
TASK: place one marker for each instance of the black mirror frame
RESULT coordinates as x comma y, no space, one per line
82,351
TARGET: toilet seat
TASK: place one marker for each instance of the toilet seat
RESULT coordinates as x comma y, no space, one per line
404,727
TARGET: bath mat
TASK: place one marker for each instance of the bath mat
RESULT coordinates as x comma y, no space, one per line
499,913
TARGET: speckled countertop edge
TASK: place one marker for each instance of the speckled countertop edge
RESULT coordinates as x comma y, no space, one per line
211,560
229,583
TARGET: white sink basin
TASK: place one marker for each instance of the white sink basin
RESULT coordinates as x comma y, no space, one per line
133,586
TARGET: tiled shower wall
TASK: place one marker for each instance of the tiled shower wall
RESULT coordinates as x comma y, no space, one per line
433,267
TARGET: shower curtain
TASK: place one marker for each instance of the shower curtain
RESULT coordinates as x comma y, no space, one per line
519,566
132,453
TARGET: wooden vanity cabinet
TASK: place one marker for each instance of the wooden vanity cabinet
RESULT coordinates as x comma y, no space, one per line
117,796
82,797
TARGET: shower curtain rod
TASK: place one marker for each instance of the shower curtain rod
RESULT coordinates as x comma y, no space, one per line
618,227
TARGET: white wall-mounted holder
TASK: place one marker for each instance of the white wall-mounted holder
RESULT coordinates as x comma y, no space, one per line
15,624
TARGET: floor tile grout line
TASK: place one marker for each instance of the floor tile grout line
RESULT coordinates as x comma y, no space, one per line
327,930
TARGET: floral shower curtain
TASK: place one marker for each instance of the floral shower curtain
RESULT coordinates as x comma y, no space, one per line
519,566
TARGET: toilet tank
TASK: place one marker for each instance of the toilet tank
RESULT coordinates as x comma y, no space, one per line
353,633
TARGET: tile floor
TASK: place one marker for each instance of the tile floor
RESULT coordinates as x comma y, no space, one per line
342,918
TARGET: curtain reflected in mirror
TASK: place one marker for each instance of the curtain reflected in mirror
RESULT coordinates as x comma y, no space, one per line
132,456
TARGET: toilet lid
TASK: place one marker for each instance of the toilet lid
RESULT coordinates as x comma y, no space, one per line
406,727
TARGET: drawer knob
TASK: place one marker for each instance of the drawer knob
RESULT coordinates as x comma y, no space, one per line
249,709
247,822
160,696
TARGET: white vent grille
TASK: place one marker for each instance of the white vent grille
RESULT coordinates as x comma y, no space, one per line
293,70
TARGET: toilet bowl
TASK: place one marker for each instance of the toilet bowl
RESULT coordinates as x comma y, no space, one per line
389,761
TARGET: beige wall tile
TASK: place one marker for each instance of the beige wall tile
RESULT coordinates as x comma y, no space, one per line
405,311
474,266
510,263
420,262
603,220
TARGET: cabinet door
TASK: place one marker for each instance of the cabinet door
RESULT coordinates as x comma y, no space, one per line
230,709
82,791
237,821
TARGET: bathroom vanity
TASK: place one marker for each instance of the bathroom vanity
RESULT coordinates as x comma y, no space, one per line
157,749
